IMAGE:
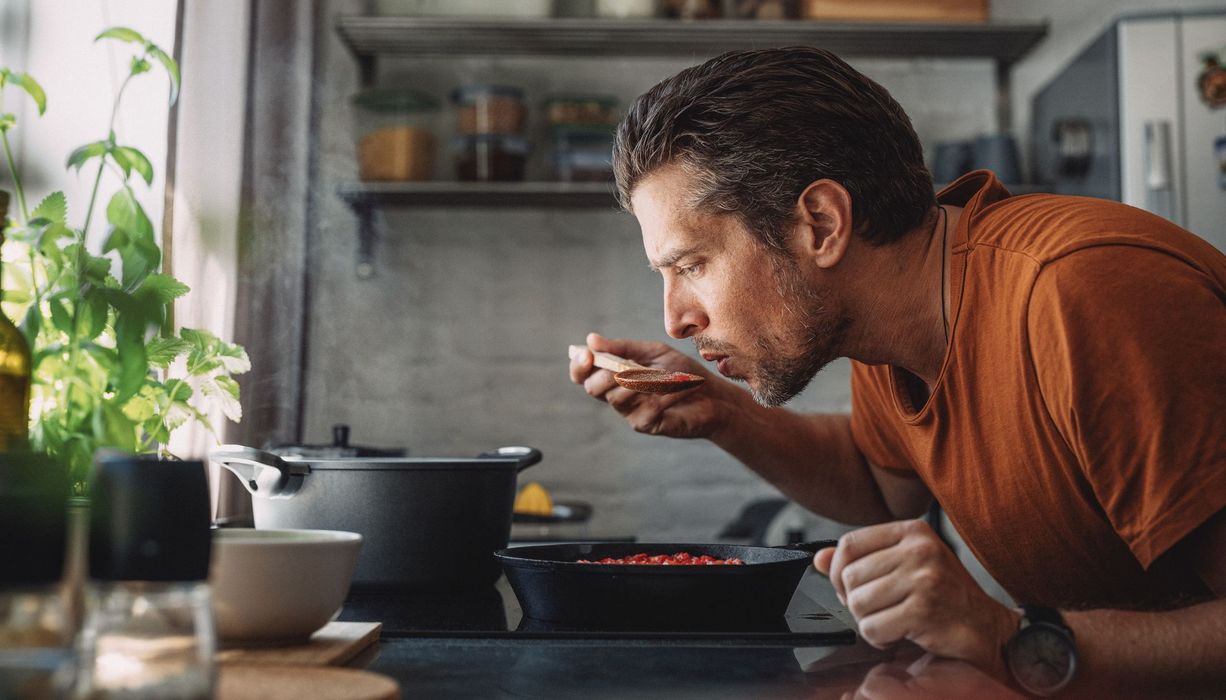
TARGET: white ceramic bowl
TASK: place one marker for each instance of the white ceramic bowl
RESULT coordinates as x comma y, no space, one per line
279,585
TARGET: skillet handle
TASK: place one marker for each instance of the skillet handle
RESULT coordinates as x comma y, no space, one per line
526,456
810,547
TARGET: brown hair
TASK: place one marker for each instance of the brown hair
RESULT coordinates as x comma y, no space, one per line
754,128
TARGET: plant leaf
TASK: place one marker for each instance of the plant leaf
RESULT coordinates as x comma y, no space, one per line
31,326
112,428
122,34
224,391
54,207
139,65
172,69
164,287
7,121
97,311
96,270
60,317
83,154
179,389
163,351
233,358
133,364
26,82
133,159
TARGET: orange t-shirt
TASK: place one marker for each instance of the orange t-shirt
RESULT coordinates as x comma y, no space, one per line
1078,427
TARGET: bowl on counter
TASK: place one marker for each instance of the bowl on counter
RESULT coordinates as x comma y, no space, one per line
274,586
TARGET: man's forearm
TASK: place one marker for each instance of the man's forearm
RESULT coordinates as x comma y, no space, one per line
1177,653
810,458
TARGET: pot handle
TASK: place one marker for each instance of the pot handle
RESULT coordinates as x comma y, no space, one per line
810,547
262,473
526,456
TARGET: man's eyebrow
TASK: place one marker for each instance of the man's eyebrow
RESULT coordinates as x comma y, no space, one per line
671,259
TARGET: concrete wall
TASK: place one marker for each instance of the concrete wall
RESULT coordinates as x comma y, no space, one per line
458,344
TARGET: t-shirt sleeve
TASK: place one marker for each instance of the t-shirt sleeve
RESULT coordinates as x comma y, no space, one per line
1129,348
873,427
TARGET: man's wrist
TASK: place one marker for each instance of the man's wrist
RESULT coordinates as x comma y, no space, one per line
1010,623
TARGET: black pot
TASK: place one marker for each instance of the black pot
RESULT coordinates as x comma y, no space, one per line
425,522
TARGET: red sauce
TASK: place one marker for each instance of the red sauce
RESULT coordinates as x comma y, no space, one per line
678,559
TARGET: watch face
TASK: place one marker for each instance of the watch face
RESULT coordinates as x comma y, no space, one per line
1041,658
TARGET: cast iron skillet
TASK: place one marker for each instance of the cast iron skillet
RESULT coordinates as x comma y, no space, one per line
553,587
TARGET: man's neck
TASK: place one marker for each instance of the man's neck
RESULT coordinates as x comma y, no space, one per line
899,300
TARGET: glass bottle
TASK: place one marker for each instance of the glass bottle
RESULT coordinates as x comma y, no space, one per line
35,629
148,629
14,369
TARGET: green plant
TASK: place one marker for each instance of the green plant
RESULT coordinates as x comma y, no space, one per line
103,347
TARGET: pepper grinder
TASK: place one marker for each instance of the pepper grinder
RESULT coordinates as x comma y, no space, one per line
148,629
35,633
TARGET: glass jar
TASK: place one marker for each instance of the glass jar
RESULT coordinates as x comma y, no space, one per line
35,625
490,157
489,109
148,628
147,639
395,130
583,153
580,109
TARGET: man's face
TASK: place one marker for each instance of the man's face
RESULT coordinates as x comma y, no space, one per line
751,310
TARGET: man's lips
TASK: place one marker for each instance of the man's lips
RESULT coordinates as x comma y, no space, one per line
720,360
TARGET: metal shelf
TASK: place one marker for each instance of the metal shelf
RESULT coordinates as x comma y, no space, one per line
553,195
369,37
560,195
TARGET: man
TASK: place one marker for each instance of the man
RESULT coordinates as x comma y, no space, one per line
1050,369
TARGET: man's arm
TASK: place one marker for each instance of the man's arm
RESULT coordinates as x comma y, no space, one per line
813,459
900,583
1175,653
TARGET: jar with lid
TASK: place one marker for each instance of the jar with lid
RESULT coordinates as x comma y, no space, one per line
489,109
490,157
395,130
148,629
583,152
579,109
36,631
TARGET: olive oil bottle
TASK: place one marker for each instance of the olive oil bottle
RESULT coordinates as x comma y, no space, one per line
14,369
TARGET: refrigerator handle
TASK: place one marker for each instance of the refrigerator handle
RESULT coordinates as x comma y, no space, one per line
1159,170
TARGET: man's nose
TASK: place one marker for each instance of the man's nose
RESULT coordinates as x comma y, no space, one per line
683,315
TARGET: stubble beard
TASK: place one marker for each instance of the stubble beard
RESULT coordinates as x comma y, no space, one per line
813,327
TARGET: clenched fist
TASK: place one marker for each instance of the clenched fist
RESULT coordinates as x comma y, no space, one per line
900,582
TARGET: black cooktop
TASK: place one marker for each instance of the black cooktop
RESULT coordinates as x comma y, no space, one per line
494,613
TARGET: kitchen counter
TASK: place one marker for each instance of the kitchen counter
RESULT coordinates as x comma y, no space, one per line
438,649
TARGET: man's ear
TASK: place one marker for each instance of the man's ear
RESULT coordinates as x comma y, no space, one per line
824,209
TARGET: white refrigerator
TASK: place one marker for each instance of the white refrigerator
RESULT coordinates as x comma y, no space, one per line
1140,117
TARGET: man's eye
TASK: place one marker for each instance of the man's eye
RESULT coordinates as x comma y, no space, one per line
689,270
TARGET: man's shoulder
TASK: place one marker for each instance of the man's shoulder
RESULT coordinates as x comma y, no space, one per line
1047,228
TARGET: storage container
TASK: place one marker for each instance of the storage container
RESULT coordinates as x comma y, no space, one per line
580,109
489,109
395,130
490,157
583,153
897,10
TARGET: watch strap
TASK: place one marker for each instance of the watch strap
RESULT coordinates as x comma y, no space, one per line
1032,614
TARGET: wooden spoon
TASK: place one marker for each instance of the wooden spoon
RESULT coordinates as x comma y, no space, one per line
636,377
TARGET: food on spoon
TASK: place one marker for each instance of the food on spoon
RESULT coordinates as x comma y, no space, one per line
678,559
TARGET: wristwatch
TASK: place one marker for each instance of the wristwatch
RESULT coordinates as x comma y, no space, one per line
1041,656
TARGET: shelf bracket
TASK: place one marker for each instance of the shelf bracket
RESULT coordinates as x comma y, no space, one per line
367,235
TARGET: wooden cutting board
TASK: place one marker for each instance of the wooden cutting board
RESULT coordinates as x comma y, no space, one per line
271,682
333,645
